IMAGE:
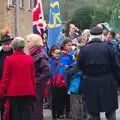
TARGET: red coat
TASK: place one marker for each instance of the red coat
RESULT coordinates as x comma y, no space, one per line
18,76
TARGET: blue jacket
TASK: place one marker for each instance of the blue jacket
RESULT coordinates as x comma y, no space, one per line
67,59
58,74
75,83
75,78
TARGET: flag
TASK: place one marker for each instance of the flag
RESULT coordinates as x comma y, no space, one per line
55,27
38,18
45,26
115,19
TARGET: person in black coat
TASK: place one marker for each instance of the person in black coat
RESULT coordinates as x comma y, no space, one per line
5,51
101,71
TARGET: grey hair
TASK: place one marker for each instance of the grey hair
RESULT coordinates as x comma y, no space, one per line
96,36
18,43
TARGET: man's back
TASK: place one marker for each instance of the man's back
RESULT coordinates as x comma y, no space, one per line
97,55
100,67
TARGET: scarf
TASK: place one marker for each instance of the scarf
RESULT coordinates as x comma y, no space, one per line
34,50
58,73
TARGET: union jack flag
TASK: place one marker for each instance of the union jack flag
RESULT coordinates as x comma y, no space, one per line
38,19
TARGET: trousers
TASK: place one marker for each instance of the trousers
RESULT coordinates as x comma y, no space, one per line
2,101
58,95
76,107
109,116
20,108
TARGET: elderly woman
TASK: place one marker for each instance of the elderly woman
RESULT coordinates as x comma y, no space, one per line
86,35
41,65
18,81
5,51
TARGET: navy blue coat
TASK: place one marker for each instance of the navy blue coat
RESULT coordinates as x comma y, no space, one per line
101,71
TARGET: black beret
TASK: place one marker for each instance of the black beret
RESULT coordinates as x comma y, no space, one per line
96,31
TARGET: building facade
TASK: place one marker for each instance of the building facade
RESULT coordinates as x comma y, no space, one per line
8,16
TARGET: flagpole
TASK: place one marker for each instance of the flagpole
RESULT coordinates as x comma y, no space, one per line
17,19
42,13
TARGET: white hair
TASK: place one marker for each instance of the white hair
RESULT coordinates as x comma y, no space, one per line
18,43
86,31
37,40
96,36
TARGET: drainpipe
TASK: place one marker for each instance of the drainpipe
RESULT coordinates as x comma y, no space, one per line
17,18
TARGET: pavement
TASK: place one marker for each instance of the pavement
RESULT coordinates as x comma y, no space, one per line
48,116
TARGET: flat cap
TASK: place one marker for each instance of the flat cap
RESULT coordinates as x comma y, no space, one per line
96,31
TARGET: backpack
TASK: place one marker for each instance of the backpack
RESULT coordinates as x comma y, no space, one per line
115,44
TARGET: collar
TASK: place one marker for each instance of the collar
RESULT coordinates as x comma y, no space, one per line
35,50
19,53
4,52
95,40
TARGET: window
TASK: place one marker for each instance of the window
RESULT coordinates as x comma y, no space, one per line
22,3
30,4
12,2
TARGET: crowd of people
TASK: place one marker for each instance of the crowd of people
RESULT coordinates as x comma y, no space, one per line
76,80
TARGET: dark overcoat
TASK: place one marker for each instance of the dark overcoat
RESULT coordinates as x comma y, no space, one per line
3,55
42,71
101,71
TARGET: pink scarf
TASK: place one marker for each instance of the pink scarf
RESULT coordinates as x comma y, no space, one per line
34,50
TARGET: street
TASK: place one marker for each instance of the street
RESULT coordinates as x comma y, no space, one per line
47,115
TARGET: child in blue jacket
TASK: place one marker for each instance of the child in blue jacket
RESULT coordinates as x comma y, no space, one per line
67,59
58,83
74,90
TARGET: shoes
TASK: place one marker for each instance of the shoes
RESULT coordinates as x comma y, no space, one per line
68,116
62,117
57,119
47,107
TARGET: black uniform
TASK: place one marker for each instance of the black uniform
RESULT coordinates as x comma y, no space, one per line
3,55
101,70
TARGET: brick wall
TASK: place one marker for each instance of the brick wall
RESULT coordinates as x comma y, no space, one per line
10,19
8,16
25,21
2,11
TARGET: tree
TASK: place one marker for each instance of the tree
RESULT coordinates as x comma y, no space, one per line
115,19
82,17
101,14
108,3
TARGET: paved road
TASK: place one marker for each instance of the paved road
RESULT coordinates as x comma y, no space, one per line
47,115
